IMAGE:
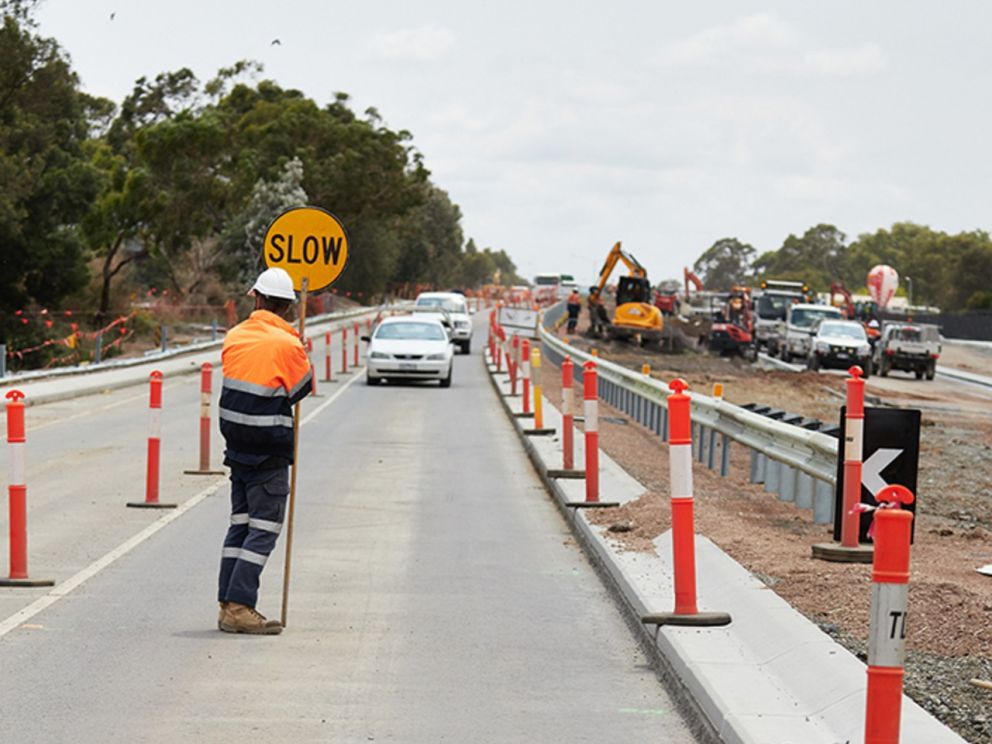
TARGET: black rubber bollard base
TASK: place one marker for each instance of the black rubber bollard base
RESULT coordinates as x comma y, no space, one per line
698,619
523,415
573,474
539,432
592,504
27,583
204,472
837,553
147,505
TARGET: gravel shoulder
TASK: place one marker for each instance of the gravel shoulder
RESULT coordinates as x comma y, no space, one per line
950,604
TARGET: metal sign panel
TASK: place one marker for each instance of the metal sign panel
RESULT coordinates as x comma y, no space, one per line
309,243
520,321
891,455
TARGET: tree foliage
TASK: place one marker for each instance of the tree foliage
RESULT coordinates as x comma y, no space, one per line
725,263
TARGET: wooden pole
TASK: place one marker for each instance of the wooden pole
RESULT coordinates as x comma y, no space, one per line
291,509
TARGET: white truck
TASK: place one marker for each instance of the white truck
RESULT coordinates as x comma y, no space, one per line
771,303
911,347
800,327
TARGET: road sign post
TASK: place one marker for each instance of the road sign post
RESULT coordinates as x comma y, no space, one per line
312,246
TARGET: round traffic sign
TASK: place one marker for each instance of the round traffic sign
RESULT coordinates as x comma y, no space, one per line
309,243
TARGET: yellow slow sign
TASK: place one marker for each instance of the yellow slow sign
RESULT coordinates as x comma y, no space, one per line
310,243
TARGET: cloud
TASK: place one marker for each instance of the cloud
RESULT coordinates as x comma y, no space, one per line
765,44
422,44
752,31
865,59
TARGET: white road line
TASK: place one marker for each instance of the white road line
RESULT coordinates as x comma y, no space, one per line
74,582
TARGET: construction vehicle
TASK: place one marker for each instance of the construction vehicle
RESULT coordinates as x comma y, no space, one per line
666,297
864,313
771,303
731,328
634,315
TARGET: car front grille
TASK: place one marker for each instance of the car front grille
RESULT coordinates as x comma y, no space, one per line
408,356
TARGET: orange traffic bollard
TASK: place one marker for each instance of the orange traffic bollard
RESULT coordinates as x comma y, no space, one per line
590,390
357,334
344,350
887,629
206,375
514,363
567,417
850,549
328,376
683,530
535,366
17,493
154,447
525,373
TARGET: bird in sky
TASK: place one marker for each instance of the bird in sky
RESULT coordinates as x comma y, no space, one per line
112,15
276,42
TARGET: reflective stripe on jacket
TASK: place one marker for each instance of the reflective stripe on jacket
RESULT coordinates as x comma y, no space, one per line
266,372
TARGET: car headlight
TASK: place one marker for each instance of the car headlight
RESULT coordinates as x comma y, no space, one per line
822,347
437,357
379,355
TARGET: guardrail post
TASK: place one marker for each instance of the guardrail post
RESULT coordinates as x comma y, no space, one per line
772,470
213,329
887,627
206,377
724,455
17,495
711,449
154,447
98,347
683,531
804,490
823,503
787,483
165,338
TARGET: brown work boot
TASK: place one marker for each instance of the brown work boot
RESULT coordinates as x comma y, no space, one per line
239,618
220,615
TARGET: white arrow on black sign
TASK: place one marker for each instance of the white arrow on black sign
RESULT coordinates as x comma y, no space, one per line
871,469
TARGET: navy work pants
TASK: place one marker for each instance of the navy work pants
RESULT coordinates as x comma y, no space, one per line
258,503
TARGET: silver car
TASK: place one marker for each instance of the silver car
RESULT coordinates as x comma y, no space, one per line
409,347
457,311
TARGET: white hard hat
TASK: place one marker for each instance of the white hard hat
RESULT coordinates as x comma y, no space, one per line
274,282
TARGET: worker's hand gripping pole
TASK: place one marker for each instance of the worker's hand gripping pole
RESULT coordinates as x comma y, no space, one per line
291,506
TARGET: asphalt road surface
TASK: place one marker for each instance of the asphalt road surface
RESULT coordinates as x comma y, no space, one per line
436,593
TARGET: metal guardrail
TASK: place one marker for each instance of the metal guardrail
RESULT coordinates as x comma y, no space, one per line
81,369
797,464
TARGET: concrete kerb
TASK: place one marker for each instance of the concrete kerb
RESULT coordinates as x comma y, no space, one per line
770,676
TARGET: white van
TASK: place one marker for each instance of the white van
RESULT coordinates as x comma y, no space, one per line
800,326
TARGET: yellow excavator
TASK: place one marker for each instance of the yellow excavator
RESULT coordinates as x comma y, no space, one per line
635,315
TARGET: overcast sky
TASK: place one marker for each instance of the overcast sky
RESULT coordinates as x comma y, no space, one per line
560,127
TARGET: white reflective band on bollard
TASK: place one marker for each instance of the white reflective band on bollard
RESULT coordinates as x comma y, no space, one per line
204,405
592,415
155,423
566,401
887,634
854,429
16,450
680,470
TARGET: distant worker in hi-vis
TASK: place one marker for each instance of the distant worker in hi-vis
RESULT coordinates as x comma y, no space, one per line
574,306
266,372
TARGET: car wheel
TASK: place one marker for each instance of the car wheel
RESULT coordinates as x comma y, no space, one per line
931,370
786,356
866,368
446,382
883,368
813,363
918,373
370,380
467,346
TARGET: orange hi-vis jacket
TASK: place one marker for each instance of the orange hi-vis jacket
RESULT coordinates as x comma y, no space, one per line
266,372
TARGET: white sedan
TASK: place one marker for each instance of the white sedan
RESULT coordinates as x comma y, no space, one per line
409,348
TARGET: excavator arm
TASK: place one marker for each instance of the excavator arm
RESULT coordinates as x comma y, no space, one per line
615,256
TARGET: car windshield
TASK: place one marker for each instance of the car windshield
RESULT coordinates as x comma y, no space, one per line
908,334
771,307
447,303
805,317
411,332
846,330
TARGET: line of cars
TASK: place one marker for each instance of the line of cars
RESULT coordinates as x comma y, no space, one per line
420,345
821,336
